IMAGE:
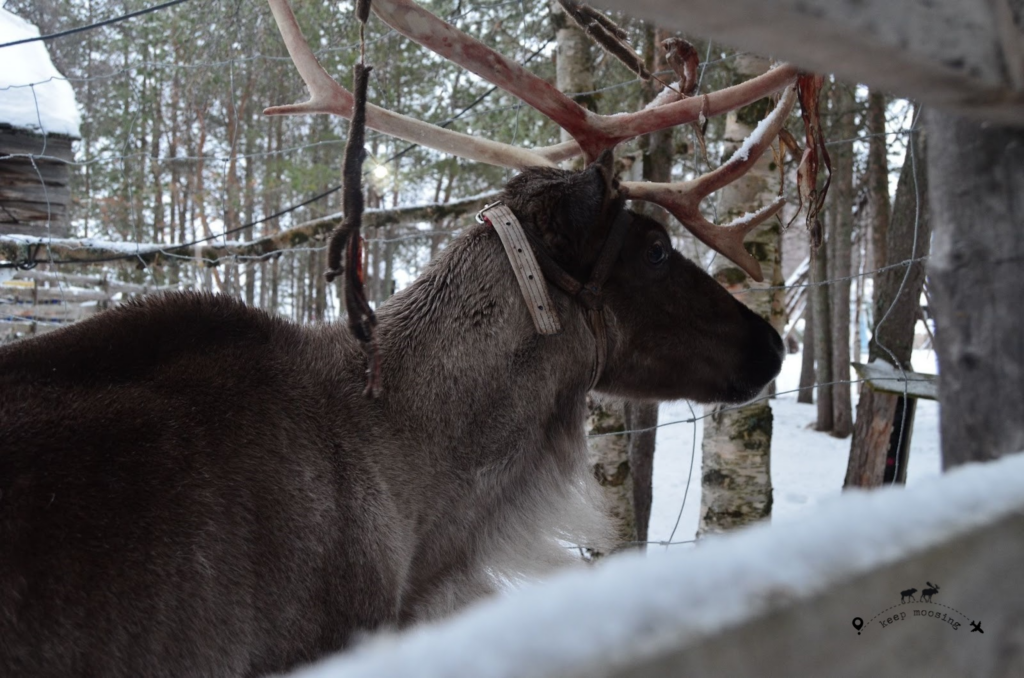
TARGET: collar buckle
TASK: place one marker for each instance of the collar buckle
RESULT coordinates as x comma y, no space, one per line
480,218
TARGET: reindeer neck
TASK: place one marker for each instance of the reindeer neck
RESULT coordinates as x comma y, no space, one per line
461,356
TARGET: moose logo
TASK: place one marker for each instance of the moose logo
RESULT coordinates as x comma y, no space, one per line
924,606
926,594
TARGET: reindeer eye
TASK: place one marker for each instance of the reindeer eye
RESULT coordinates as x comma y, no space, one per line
656,254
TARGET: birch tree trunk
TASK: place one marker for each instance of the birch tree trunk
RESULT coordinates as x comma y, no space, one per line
977,284
609,454
609,458
574,64
736,471
879,451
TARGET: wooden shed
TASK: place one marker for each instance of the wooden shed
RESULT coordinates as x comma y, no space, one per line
34,177
39,120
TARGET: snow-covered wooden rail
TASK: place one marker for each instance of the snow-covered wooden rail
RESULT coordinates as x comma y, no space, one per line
778,601
959,55
19,248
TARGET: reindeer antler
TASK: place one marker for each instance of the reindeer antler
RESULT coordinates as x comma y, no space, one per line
599,132
327,96
592,133
683,199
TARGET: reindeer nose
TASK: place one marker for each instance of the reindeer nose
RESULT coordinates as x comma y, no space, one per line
762,356
777,345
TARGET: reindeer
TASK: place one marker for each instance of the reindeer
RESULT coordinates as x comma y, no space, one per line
189,486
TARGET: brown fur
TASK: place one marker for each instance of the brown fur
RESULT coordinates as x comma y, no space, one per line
190,487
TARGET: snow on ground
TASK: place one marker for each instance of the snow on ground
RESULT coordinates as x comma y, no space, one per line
33,94
808,467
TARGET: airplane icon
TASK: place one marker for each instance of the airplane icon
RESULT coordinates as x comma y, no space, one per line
976,626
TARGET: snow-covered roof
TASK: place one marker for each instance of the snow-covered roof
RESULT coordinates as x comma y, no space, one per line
33,94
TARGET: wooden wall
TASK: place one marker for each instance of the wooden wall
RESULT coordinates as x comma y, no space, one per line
34,190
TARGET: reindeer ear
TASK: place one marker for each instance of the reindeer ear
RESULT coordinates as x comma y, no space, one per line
604,168
566,210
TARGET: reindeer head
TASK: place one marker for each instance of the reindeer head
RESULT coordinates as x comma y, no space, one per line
695,340
673,331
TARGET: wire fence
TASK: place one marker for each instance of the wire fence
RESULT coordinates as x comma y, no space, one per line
303,257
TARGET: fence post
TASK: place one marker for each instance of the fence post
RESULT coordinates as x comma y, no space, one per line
977,201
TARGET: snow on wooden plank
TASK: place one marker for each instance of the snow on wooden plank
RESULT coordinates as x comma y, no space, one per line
962,55
765,600
11,330
111,285
49,312
882,376
10,294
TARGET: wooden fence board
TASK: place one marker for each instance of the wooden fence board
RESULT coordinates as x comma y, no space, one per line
765,601
961,55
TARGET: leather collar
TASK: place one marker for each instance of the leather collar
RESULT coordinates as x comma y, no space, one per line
530,260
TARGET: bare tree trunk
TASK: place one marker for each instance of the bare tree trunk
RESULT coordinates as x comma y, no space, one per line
878,178
657,149
374,291
301,288
387,281
879,451
873,430
977,284
275,281
270,205
641,419
319,282
822,335
736,470
249,207
839,261
806,393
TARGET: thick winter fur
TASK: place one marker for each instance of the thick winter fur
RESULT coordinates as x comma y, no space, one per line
190,487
